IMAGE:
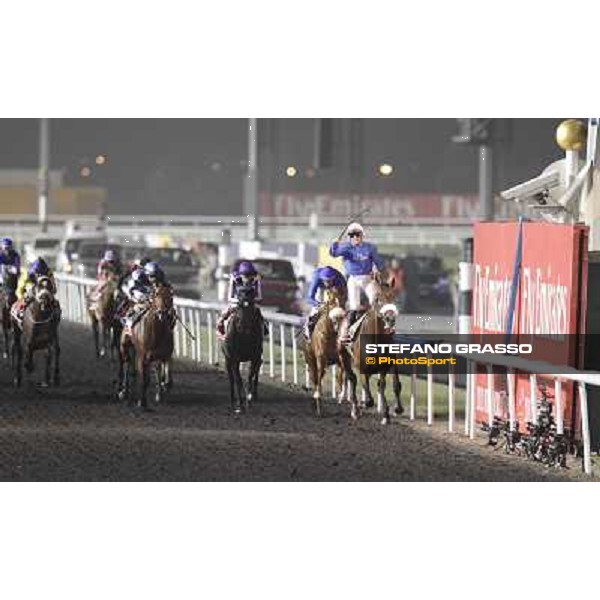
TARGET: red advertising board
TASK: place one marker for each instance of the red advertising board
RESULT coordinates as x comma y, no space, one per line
548,310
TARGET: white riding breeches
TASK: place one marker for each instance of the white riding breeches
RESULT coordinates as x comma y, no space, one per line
356,284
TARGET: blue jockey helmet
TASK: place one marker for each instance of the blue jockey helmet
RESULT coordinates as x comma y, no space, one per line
327,274
39,266
152,269
7,243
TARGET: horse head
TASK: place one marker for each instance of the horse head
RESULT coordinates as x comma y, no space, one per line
389,314
336,316
246,309
162,302
43,295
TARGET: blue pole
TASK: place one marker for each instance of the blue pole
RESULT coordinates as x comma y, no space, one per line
514,286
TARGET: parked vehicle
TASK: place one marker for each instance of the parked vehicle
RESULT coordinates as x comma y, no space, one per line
68,253
89,255
181,267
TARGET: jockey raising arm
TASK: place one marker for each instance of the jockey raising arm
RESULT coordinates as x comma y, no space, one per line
361,261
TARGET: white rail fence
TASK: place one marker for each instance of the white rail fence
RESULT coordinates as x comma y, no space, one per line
284,361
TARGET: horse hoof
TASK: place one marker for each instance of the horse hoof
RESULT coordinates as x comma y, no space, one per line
399,410
385,421
44,384
249,398
369,404
121,395
102,353
5,355
17,382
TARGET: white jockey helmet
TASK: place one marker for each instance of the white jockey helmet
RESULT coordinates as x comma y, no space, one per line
355,228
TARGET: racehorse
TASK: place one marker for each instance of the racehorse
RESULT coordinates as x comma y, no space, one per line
101,308
243,343
8,296
321,350
149,343
379,320
38,330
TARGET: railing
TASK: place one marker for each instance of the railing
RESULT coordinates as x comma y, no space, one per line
282,360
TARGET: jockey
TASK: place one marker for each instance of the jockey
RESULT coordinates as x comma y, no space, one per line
38,268
361,262
244,275
9,257
324,278
137,290
110,264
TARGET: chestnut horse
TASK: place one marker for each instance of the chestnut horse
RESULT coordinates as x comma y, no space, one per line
150,343
101,308
8,296
38,331
321,350
379,320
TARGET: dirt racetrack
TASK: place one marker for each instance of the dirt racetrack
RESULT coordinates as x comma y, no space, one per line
78,432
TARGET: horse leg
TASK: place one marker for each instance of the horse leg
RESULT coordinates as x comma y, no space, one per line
143,368
102,338
29,366
397,392
5,330
56,352
231,376
340,382
46,382
253,380
382,405
321,368
96,335
168,376
241,392
17,357
158,371
369,402
122,384
350,384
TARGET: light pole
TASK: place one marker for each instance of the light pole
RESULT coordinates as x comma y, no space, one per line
251,181
43,174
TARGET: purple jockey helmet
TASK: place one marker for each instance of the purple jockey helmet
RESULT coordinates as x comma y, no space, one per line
246,269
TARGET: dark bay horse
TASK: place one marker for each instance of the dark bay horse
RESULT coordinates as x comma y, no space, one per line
101,308
38,331
8,296
379,321
149,344
243,343
321,350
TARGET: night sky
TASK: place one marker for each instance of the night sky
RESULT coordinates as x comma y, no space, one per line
196,166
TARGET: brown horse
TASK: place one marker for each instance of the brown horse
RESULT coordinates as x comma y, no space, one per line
243,343
101,308
38,331
321,350
150,343
379,320
8,297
